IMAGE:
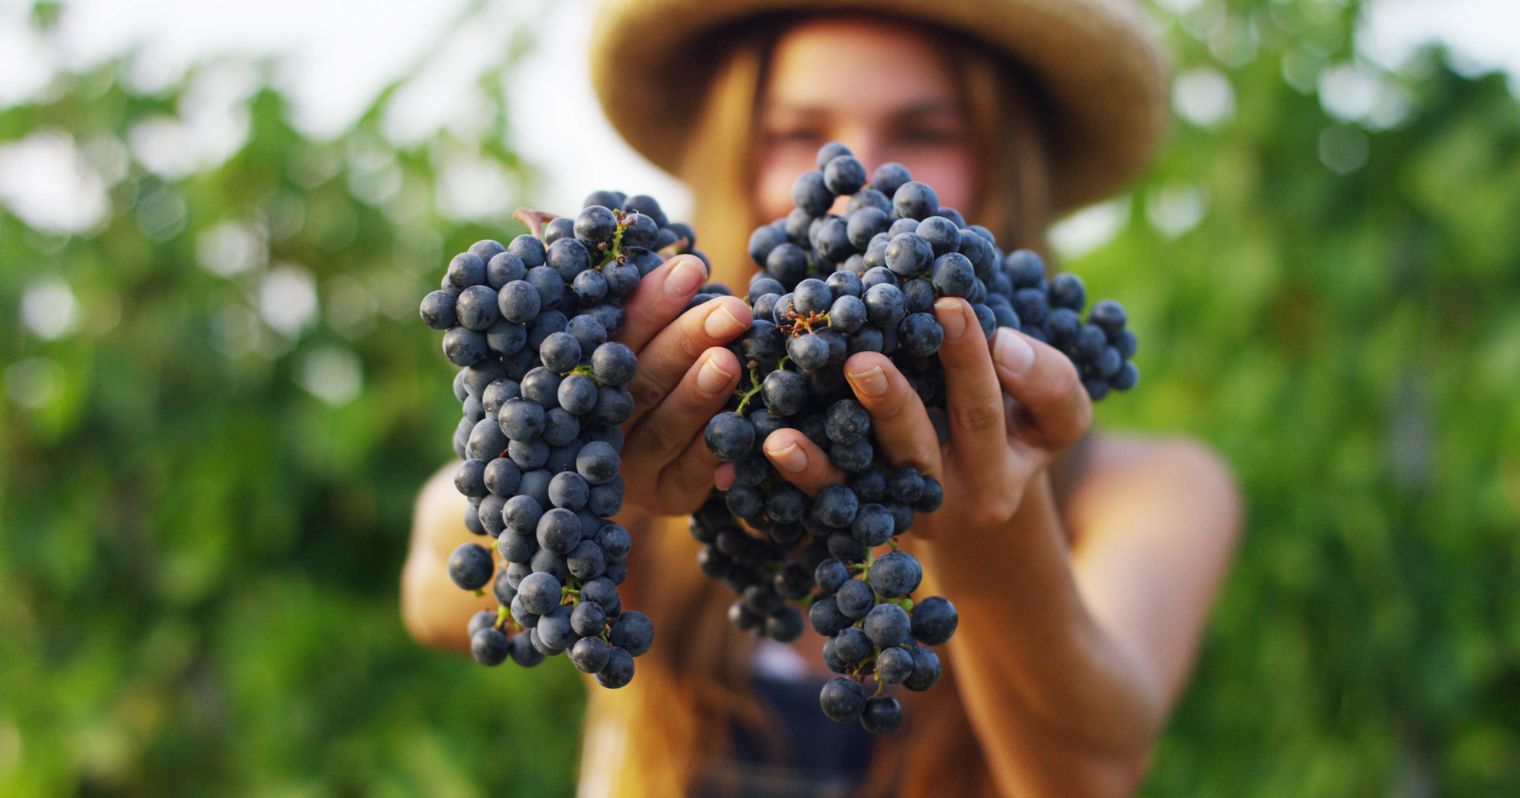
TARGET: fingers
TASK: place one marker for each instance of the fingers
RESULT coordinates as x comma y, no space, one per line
686,479
667,430
902,426
800,461
973,397
724,476
661,296
1053,406
673,350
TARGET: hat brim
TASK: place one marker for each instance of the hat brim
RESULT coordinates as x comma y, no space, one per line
1100,71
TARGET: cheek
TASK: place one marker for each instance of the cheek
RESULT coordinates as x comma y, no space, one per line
779,168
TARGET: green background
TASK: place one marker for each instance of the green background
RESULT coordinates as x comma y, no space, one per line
205,513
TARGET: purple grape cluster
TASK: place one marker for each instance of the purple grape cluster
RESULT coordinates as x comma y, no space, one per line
830,286
543,387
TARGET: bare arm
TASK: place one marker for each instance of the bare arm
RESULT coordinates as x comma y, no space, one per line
1068,666
1156,527
1068,659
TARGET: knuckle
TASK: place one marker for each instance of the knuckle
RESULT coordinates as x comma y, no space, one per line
659,440
991,511
692,341
644,315
1062,380
691,479
681,481
820,476
888,407
645,391
666,492
976,417
910,453
965,350
1081,419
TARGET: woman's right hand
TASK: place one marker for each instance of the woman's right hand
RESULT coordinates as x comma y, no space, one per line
684,377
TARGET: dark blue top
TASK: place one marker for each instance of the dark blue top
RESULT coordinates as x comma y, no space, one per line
802,754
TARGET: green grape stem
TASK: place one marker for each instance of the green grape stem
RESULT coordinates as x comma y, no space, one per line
746,396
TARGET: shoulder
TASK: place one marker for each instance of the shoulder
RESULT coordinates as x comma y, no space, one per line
438,492
1176,456
438,514
1159,477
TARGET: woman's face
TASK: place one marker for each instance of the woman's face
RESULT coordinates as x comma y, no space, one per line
881,87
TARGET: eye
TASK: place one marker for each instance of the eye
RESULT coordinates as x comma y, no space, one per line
930,135
793,135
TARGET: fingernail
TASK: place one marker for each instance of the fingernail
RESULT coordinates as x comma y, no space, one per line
951,317
684,277
872,383
712,378
791,459
722,324
1012,352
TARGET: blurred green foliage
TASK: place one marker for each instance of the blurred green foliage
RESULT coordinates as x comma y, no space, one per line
213,436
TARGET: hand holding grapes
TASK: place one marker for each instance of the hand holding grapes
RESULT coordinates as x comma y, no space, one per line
684,376
1011,404
817,392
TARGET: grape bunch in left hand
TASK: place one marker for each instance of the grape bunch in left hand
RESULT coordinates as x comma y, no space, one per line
543,388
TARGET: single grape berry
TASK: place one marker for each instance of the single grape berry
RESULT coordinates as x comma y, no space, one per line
825,617
889,177
632,632
854,599
887,625
842,700
438,309
465,270
894,665
729,436
540,593
925,670
895,574
489,647
470,566
590,655
934,620
882,714
830,151
812,194
915,200
618,671
844,174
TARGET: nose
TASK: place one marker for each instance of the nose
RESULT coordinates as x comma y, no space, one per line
866,142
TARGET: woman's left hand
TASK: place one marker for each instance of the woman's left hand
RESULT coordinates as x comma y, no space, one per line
1010,405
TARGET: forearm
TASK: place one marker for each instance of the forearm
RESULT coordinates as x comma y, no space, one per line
1055,700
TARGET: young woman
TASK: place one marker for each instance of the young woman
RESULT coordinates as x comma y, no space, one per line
1082,565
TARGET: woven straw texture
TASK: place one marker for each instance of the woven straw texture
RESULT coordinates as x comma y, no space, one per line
1101,71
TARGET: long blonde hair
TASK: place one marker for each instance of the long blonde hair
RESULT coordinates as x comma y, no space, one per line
653,737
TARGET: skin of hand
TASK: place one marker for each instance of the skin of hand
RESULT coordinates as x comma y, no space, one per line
684,377
1011,405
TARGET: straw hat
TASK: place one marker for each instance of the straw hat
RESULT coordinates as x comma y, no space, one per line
1094,60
